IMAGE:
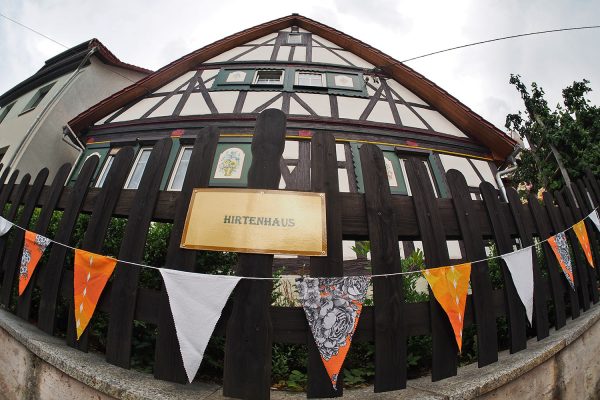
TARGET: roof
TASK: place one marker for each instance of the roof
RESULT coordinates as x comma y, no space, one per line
500,144
63,63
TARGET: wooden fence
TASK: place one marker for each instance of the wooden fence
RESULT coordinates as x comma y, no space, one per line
250,324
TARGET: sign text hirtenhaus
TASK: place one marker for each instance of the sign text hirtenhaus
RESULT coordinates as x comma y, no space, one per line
256,221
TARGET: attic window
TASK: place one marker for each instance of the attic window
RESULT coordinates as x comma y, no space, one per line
37,98
268,77
294,38
310,79
6,110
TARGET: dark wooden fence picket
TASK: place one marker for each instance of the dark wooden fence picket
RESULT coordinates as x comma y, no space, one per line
324,179
515,312
481,285
557,288
390,329
433,236
248,344
98,224
251,325
540,312
41,226
19,235
54,267
168,364
579,268
124,291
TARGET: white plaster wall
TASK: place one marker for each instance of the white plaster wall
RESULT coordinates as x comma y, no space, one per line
45,148
460,163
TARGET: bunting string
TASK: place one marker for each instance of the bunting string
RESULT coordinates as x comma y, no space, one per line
592,216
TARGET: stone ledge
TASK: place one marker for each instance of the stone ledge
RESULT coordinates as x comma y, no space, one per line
471,382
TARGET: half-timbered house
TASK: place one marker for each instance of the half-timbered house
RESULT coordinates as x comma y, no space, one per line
325,81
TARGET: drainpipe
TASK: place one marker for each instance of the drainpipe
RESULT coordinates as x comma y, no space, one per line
507,171
51,103
80,149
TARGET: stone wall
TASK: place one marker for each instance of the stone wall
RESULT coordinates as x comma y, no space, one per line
565,365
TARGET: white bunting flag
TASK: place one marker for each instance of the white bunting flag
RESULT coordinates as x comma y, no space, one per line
520,265
594,217
196,301
5,226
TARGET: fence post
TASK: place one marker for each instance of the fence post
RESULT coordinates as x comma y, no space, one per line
324,179
540,311
248,345
41,226
19,235
444,347
168,364
96,229
54,268
388,296
544,230
515,312
481,285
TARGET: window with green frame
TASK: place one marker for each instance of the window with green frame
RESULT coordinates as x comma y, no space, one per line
395,164
291,79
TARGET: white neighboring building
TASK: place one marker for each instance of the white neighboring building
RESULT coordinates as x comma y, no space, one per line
34,113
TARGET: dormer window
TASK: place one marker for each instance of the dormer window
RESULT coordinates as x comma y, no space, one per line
310,79
268,77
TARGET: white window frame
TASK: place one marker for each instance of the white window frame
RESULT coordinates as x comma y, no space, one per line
104,171
176,167
297,80
135,164
258,71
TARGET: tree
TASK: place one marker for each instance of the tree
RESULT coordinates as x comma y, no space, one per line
570,133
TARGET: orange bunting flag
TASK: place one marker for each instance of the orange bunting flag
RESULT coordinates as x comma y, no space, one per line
450,286
33,248
582,235
91,273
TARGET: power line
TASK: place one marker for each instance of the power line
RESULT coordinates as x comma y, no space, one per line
33,30
502,38
57,42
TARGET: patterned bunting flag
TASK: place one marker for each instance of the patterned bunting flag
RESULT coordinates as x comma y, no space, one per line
33,248
582,235
332,307
520,265
91,272
560,247
196,302
450,286
5,226
595,219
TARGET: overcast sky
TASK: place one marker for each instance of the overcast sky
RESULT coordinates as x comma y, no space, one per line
152,33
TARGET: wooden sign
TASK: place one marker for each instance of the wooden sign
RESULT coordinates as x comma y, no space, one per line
256,221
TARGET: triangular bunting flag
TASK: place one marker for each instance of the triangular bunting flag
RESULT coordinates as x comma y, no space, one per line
91,272
595,219
5,226
332,307
560,247
520,265
582,235
450,286
196,302
33,248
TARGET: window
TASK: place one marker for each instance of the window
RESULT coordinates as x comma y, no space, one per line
6,110
236,77
104,172
310,79
344,81
133,181
294,38
268,77
37,98
180,169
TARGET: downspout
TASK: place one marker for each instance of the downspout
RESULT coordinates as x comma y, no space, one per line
51,103
507,171
80,149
